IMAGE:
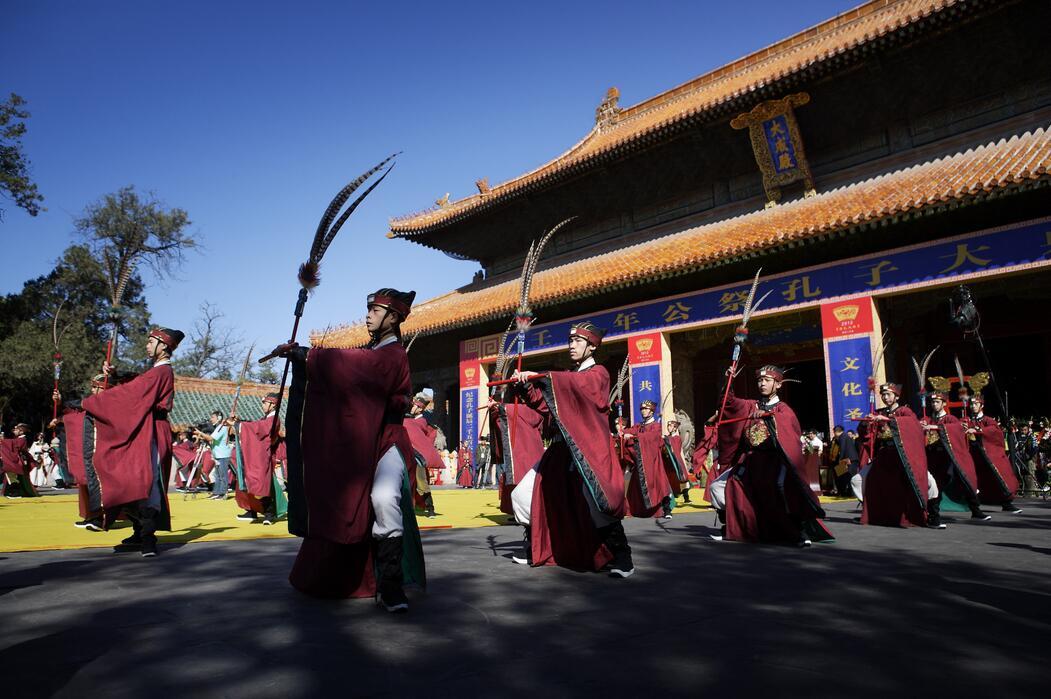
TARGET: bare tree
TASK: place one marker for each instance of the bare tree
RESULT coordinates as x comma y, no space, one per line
215,348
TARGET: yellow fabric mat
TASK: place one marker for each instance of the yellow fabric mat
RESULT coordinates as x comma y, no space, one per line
46,523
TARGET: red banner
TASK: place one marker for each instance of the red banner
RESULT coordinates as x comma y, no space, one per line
851,317
643,349
470,374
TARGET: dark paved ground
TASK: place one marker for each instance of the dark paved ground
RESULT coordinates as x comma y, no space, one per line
883,613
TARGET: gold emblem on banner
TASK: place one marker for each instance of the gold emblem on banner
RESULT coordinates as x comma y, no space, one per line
644,345
758,433
469,372
845,313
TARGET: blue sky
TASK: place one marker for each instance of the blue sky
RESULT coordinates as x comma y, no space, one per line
251,115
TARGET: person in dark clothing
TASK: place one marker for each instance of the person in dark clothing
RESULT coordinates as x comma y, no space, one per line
847,464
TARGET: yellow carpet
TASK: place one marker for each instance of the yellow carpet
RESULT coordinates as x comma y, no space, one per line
46,523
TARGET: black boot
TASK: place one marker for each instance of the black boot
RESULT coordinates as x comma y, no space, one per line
149,527
934,516
976,511
135,540
617,542
525,557
428,505
686,496
1011,508
722,526
269,511
389,593
666,507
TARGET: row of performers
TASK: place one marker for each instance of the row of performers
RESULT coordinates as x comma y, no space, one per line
912,464
350,459
353,471
117,444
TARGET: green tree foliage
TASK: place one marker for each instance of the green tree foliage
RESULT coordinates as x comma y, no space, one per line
123,230
28,329
15,183
120,231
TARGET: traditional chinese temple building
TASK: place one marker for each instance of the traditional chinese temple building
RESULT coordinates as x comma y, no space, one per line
869,165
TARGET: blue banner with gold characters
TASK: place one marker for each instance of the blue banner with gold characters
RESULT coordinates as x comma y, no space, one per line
468,418
1010,246
779,142
849,369
645,385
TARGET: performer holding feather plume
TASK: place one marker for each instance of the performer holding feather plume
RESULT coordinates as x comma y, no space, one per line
348,453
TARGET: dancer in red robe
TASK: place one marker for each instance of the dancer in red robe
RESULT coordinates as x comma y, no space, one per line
949,460
512,464
572,502
129,460
895,487
258,492
674,465
997,482
649,490
464,464
765,496
79,430
348,463
14,453
425,454
187,460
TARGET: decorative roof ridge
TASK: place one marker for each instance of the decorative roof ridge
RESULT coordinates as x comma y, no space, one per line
194,383
735,70
471,198
999,163
755,59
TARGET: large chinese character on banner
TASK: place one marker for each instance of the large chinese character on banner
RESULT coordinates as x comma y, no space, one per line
777,145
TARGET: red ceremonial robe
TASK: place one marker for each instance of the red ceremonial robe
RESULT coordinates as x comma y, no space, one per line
14,453
528,446
949,458
678,477
563,533
75,423
645,457
705,445
183,456
131,421
464,476
345,411
258,466
727,437
425,454
997,482
896,483
768,496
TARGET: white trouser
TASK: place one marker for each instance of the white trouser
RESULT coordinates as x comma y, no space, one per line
932,486
857,484
718,490
522,502
386,495
522,497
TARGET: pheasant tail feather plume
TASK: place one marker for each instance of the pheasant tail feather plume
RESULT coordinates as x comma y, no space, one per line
309,271
122,283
